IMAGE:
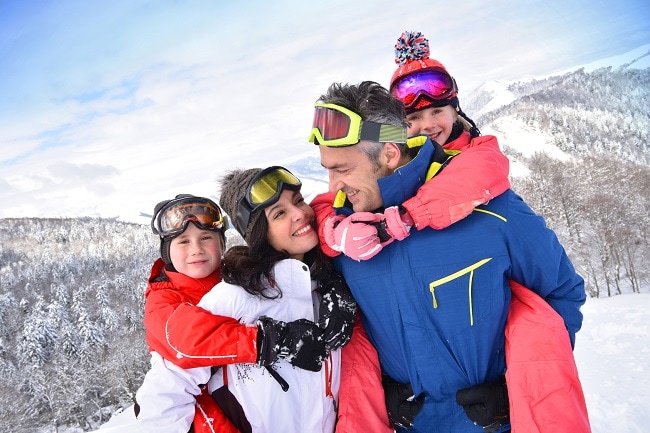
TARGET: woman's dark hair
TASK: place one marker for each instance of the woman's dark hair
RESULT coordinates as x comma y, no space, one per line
249,265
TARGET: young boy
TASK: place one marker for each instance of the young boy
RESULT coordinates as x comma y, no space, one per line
178,331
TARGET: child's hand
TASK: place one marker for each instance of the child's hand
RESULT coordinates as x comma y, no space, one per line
355,236
398,222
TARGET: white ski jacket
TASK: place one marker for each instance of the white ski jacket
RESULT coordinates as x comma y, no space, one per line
308,405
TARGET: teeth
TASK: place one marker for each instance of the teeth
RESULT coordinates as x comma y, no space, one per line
302,231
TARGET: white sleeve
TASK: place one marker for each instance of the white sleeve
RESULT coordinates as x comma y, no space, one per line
230,300
167,396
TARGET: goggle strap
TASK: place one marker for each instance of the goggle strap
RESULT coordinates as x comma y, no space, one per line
382,133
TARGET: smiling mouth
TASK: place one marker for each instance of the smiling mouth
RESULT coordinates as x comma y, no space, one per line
351,194
301,231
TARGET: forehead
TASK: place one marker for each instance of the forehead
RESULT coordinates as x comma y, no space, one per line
333,158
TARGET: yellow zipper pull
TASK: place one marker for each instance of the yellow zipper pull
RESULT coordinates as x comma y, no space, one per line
432,289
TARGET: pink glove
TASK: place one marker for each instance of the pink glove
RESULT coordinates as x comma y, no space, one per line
398,224
355,236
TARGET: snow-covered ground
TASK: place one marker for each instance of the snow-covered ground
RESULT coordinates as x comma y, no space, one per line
613,357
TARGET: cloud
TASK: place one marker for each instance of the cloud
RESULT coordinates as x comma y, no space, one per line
108,108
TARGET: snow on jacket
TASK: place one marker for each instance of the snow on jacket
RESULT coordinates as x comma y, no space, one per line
186,334
435,304
543,385
308,405
478,174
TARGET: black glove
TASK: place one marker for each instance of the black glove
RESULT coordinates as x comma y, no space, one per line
486,404
336,313
299,342
401,403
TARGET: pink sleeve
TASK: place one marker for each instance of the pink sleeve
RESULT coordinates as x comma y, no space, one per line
323,208
543,384
362,406
475,176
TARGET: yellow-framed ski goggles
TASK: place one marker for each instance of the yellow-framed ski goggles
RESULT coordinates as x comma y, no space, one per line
263,191
336,126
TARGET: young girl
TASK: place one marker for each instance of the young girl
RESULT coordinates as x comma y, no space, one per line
478,173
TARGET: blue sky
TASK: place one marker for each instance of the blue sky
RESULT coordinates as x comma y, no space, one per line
108,107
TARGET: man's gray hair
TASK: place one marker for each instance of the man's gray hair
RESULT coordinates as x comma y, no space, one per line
372,102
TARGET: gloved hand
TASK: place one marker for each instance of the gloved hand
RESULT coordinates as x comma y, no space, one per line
336,313
355,235
401,403
398,222
300,342
486,404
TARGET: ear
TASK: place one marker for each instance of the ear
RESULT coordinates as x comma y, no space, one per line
392,155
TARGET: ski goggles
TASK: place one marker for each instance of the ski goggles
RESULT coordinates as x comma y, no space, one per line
171,217
263,191
336,126
436,84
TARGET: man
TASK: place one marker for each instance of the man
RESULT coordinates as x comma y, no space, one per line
435,304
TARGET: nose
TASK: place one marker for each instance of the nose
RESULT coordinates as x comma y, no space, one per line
196,248
299,213
427,123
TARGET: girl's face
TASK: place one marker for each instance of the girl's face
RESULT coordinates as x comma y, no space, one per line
195,252
290,225
435,122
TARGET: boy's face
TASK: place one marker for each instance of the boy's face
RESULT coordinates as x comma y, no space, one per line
195,252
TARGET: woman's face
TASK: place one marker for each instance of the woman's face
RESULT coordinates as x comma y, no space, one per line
195,252
290,221
435,122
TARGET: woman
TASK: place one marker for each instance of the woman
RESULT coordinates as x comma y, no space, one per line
280,273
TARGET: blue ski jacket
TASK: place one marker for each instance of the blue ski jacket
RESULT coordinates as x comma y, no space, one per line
435,304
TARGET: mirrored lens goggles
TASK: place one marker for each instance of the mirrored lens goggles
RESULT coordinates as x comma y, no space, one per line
263,191
172,219
336,126
437,85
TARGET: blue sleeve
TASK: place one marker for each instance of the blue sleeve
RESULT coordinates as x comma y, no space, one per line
540,263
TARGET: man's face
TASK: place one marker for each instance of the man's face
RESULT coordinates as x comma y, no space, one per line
352,172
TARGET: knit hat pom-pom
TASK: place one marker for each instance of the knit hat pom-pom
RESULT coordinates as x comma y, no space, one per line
411,46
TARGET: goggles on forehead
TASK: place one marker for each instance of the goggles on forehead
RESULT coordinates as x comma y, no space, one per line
336,126
263,191
436,84
171,217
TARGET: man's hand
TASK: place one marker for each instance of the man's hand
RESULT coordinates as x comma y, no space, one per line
401,403
355,236
486,404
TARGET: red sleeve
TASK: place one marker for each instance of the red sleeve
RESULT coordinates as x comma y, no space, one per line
362,406
209,417
475,176
190,336
322,205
